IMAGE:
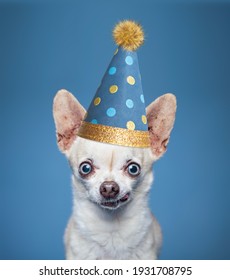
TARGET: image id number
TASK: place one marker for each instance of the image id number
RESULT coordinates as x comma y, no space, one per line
162,270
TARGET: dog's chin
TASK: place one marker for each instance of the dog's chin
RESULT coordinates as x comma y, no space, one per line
113,204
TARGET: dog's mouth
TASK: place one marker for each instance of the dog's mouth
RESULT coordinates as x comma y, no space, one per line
113,204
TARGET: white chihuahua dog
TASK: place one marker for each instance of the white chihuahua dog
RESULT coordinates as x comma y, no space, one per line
111,218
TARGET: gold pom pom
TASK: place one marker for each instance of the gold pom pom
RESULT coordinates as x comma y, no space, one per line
129,35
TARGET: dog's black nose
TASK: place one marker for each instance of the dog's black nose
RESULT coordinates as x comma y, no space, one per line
109,189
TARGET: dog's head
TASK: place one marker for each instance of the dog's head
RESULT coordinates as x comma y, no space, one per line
111,175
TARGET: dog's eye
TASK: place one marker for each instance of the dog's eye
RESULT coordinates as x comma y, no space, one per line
85,168
134,169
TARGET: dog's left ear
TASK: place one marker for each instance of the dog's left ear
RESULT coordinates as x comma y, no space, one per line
161,117
68,115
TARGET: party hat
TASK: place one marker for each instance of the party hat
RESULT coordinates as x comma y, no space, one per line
117,113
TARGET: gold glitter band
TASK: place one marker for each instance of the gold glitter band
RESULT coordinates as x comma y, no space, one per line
114,135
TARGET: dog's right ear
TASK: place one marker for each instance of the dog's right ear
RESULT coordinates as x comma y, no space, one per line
68,114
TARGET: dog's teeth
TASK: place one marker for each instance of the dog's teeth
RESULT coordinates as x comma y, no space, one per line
124,198
110,204
114,204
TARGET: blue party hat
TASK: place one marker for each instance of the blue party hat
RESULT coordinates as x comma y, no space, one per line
117,113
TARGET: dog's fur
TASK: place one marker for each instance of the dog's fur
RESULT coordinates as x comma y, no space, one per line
126,229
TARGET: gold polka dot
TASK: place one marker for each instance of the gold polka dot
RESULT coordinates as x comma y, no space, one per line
113,89
116,51
131,80
144,119
97,101
130,125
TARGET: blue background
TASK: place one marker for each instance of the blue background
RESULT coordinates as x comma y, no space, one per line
49,45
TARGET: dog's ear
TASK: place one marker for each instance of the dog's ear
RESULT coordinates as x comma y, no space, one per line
161,117
68,114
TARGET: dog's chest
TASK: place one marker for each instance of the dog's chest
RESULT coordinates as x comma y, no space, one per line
117,239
